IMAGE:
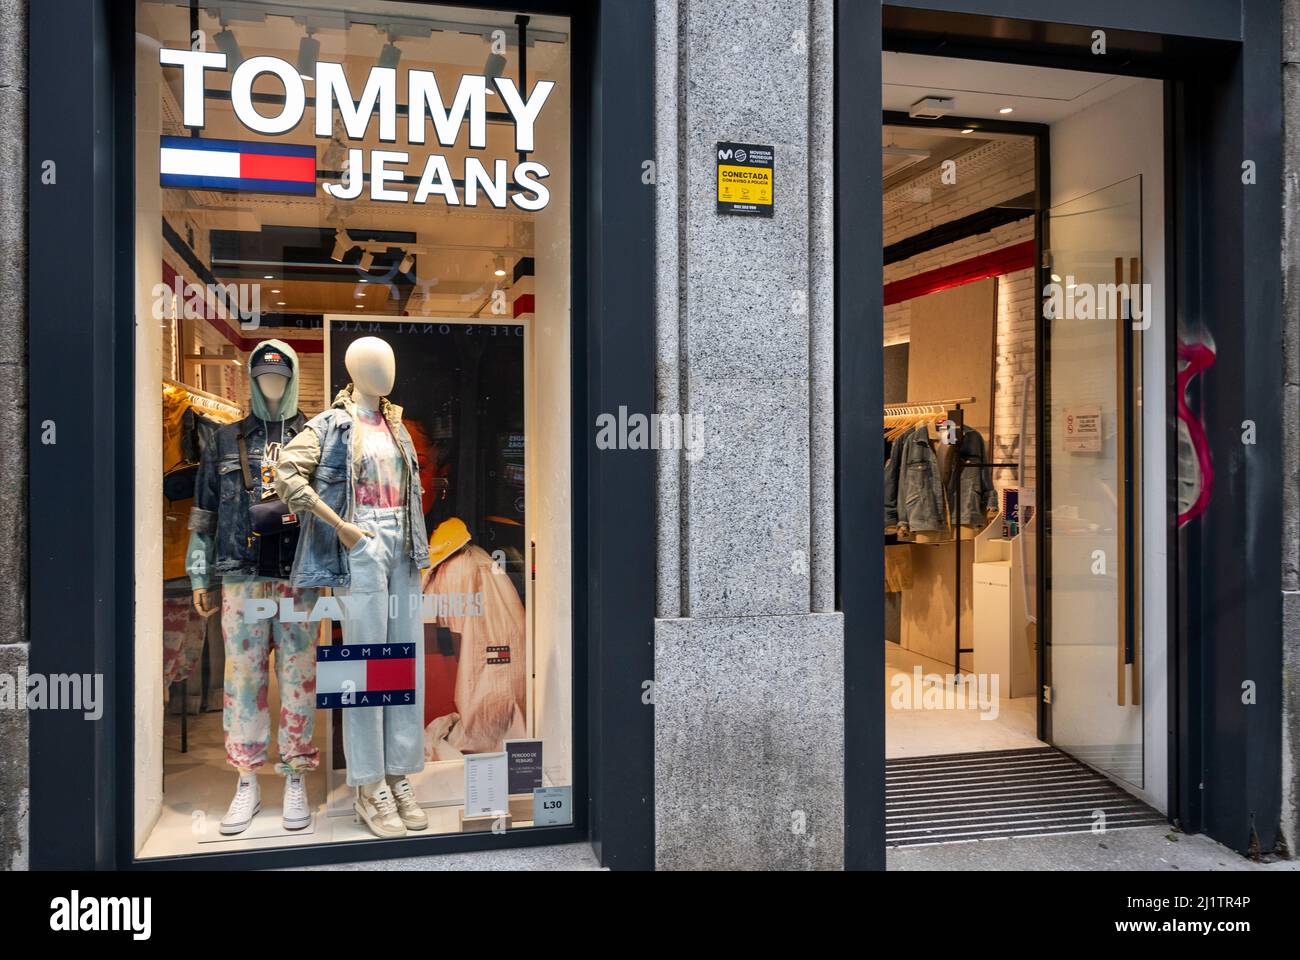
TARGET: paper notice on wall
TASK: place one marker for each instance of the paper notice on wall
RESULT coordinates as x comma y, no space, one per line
1083,430
485,784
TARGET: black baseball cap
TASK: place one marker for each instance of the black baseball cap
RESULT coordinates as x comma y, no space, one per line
270,359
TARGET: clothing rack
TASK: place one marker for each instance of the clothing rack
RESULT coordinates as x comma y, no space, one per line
948,407
204,399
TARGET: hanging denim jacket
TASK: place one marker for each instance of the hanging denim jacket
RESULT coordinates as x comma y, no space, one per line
320,465
918,496
977,491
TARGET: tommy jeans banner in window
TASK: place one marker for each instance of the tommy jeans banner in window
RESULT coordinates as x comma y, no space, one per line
378,675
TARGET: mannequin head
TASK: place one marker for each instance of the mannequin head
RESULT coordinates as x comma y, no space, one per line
273,369
373,370
273,386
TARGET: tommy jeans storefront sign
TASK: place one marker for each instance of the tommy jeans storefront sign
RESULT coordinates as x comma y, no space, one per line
257,166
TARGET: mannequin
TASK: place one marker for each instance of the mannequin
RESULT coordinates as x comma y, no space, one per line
373,369
355,474
254,568
273,386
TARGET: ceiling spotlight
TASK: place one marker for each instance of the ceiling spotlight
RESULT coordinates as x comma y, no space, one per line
969,130
275,291
281,303
500,264
342,244
390,55
227,44
308,52
367,260
408,262
1006,110
268,277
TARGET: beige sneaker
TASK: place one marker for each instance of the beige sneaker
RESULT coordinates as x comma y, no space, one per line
379,811
412,816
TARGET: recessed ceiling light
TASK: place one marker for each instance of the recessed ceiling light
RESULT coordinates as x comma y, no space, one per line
969,130
281,303
364,280
275,291
1006,110
268,277
361,306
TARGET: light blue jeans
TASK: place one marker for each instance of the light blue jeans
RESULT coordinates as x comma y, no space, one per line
387,739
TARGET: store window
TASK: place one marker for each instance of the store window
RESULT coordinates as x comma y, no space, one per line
353,406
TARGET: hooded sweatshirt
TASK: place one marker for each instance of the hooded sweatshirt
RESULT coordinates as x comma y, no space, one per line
200,551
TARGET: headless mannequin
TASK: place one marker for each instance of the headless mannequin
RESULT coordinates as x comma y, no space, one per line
273,386
373,369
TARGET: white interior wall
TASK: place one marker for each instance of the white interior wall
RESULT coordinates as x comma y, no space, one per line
550,478
1111,141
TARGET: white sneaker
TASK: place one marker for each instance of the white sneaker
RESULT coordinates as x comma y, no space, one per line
296,815
246,805
413,818
379,811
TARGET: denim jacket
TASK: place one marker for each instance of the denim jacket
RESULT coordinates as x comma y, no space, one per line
977,491
219,519
320,466
912,477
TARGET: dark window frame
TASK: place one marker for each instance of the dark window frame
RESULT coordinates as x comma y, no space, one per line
1217,59
81,376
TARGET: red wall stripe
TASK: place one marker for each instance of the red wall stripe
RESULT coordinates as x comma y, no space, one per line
1019,256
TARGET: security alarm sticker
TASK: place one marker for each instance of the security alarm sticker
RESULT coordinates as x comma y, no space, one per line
746,179
1083,430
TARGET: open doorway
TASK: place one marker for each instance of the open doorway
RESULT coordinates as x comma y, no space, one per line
1024,466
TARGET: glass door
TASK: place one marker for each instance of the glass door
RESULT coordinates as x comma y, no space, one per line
1094,312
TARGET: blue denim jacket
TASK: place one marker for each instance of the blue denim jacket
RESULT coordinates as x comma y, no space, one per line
912,477
220,513
978,494
321,465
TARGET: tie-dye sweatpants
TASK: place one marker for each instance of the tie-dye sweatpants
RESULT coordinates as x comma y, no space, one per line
249,642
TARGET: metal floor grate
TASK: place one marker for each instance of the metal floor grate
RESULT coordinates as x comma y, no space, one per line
963,797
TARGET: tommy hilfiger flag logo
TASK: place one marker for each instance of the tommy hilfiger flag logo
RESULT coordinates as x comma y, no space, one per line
365,675
238,165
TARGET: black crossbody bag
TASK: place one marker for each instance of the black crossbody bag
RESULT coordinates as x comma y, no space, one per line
269,517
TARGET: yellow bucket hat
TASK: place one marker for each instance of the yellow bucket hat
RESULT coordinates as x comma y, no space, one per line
449,537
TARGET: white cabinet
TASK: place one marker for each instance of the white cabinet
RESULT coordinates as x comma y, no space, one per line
1003,644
